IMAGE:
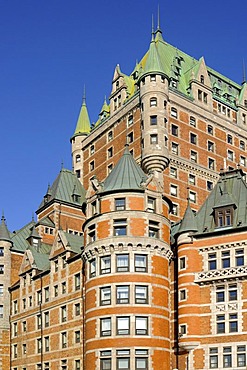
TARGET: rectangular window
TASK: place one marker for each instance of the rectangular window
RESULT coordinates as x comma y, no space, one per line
232,292
140,263
46,319
210,130
233,323
182,294
242,161
105,265
151,204
220,293
192,196
174,130
110,152
123,363
173,172
77,309
105,327
225,259
175,147
39,321
241,356
64,287
174,190
141,294
24,326
239,257
174,112
91,233
130,138
123,325
229,139
122,294
92,268
47,294
47,344
55,290
1,290
105,364
210,146
39,345
212,261
192,121
213,358
153,229
192,179
210,185
120,227
77,364
193,156
63,314
182,263
193,138
64,339
120,204
227,357
230,155
77,282
1,251
220,322
153,139
77,336
122,262
141,325
211,163
105,296
153,120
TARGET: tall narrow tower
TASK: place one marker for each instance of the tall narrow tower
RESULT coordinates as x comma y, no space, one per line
127,256
153,84
82,130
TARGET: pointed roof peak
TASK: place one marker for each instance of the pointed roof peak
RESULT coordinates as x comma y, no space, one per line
188,222
83,126
4,232
126,175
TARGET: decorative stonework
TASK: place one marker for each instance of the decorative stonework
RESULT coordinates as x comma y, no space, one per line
94,250
228,273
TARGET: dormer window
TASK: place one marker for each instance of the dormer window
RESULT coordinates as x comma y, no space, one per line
224,217
202,79
152,78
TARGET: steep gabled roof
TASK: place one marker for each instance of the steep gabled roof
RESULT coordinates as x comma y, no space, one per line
63,189
230,191
126,175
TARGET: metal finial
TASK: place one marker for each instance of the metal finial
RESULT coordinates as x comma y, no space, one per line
84,95
158,25
152,27
244,72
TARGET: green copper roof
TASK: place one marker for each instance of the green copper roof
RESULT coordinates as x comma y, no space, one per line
41,260
64,187
19,239
75,242
126,175
230,191
188,222
83,124
4,232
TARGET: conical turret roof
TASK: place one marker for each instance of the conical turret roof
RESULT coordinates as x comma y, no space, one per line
126,175
188,222
83,123
4,232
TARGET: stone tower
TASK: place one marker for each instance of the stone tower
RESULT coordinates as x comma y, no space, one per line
126,255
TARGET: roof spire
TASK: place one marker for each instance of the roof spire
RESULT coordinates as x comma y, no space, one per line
153,27
4,232
158,25
84,95
244,72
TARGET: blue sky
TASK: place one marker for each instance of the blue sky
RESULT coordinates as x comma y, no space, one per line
50,48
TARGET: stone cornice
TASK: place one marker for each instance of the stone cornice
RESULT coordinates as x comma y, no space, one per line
95,249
